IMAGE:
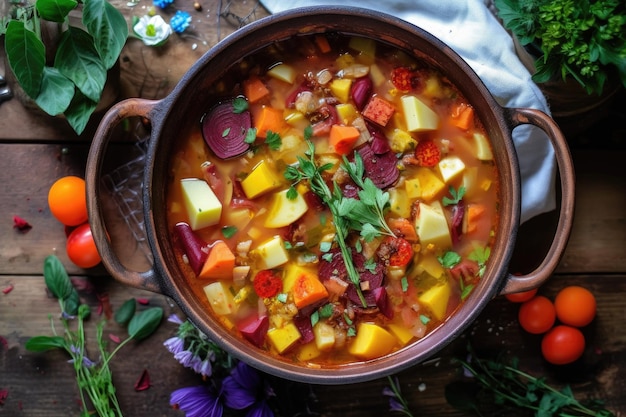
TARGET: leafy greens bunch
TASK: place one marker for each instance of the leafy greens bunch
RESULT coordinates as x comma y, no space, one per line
582,39
93,377
73,83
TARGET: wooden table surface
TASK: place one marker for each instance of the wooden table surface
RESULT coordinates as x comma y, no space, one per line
36,150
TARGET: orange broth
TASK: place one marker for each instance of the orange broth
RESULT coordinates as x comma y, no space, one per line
315,319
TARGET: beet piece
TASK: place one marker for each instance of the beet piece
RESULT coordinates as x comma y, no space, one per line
382,302
327,115
336,266
254,329
303,323
381,169
225,131
379,142
350,190
374,278
193,246
361,91
456,227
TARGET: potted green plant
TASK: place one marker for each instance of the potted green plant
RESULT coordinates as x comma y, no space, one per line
66,74
582,40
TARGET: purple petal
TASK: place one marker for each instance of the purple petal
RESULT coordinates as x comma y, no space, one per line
184,357
247,377
260,409
199,401
204,368
395,405
236,396
174,345
173,318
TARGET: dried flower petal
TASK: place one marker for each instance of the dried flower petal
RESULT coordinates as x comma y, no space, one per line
114,338
21,224
7,289
143,301
3,395
143,383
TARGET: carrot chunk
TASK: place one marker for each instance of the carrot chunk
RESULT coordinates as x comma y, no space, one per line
462,116
269,120
219,263
307,290
379,110
322,43
343,138
254,89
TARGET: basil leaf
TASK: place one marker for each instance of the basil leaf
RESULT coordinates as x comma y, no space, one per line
126,312
43,343
72,303
145,323
26,55
56,93
56,278
55,10
108,27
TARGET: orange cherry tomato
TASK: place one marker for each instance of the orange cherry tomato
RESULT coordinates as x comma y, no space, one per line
68,201
562,345
81,248
575,306
520,297
537,315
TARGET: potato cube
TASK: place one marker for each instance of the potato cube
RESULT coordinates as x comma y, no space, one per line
483,150
371,341
399,203
324,336
271,253
283,72
203,207
282,338
450,166
377,75
436,299
340,87
220,298
262,179
432,226
284,211
431,265
412,188
418,116
365,46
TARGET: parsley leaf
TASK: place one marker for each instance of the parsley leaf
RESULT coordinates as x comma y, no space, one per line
273,140
480,255
240,105
456,196
250,136
229,231
449,259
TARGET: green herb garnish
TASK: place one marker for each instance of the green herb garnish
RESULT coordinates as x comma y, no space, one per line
456,196
250,136
449,259
480,255
240,105
229,231
273,140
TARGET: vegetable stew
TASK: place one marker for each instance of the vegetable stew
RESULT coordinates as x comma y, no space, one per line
337,201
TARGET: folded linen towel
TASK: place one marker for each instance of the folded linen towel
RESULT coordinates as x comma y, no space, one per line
472,31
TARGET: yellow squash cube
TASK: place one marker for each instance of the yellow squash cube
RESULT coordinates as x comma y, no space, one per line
401,333
418,116
430,184
371,341
324,336
340,87
399,203
220,298
283,338
203,207
262,179
283,72
436,299
346,112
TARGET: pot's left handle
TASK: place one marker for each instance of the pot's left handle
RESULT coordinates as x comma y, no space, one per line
133,107
533,279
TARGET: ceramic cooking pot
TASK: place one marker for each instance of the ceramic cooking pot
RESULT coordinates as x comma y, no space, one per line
187,102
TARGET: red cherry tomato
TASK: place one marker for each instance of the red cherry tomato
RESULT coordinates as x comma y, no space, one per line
537,315
562,345
520,297
67,200
81,248
575,306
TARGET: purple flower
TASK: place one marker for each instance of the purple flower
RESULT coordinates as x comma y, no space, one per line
86,361
180,21
173,318
174,345
396,401
199,401
245,388
204,368
185,357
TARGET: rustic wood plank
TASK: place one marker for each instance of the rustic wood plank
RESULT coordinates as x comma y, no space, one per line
42,384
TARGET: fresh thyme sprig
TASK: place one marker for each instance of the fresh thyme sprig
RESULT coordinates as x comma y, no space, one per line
94,378
508,385
307,169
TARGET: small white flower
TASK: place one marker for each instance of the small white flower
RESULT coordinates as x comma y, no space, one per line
152,30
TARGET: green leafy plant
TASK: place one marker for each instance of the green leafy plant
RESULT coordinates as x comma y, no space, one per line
93,377
581,39
72,84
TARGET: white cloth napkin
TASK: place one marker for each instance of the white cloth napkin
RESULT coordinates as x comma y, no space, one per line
470,29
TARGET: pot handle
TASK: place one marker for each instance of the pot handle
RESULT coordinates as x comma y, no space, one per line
132,107
520,116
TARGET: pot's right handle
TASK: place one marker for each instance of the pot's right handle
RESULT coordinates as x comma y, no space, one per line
132,107
520,116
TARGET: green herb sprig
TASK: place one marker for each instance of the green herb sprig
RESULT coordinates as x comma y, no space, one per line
504,383
94,378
